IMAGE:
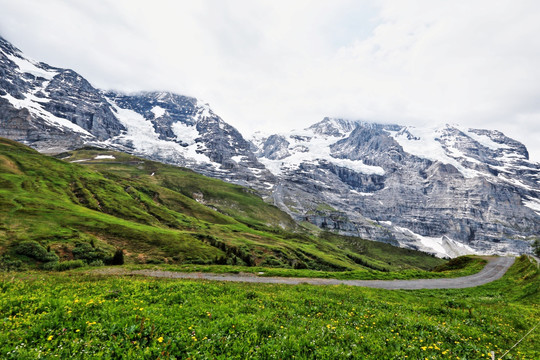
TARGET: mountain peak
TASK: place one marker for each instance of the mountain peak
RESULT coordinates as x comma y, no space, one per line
7,47
333,127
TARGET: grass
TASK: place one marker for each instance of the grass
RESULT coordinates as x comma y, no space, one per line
81,316
159,213
469,265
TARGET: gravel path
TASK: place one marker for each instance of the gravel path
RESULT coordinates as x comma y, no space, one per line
494,269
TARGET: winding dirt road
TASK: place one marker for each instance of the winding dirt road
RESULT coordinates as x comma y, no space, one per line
494,270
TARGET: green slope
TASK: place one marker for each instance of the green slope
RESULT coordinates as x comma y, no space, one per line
80,207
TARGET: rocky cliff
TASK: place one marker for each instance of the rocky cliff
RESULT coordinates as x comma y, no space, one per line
448,190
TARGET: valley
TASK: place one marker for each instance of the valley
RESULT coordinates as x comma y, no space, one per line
144,226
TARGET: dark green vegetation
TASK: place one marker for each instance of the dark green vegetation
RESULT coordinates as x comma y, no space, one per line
81,316
536,247
83,209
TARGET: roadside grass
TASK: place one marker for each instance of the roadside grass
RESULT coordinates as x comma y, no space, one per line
470,267
80,316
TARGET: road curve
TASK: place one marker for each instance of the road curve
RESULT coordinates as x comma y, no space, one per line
494,270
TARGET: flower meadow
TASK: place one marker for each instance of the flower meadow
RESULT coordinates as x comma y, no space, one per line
83,316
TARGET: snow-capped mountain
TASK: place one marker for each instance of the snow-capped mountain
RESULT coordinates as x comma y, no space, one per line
53,110
49,107
448,190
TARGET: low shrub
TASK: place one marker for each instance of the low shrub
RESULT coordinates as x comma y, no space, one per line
118,258
89,252
64,265
49,265
68,265
34,250
454,264
9,264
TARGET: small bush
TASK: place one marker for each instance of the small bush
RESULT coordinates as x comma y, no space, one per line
8,264
454,264
35,251
536,247
97,263
50,265
272,261
118,257
64,265
70,264
89,252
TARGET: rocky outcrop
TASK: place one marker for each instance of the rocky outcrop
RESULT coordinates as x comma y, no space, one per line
71,97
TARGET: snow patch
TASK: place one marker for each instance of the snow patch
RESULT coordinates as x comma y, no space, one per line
185,133
485,140
307,146
533,204
237,158
158,111
423,144
33,104
517,183
100,157
204,109
439,246
361,193
141,133
28,66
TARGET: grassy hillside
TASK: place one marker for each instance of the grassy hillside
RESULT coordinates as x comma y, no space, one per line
83,206
80,316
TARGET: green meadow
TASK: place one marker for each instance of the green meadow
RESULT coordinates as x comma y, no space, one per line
66,221
78,315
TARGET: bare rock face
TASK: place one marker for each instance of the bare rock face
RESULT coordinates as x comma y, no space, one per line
74,99
448,190
275,147
62,109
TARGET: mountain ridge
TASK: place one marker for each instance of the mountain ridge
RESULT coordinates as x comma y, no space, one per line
448,190
411,171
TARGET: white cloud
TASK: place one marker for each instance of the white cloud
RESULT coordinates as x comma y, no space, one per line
282,64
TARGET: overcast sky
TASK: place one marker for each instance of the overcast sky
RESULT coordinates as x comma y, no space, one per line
278,65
